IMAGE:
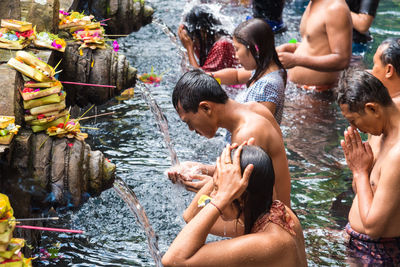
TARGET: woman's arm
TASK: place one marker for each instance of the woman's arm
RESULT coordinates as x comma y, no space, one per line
188,248
232,76
220,227
193,208
187,42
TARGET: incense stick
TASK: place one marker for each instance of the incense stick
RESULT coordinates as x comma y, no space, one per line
104,20
89,84
35,219
117,35
94,116
50,229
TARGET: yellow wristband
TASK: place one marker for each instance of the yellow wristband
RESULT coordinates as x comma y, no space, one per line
203,200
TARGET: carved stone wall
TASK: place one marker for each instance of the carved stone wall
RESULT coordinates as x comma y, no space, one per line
66,168
125,16
100,66
10,9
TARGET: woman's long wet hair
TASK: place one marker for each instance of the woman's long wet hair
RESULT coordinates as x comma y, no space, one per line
258,38
201,24
257,199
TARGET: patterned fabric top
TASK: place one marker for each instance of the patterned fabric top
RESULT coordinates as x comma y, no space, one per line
221,55
278,215
269,88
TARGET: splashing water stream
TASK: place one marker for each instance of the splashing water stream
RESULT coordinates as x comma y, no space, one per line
127,194
160,119
132,201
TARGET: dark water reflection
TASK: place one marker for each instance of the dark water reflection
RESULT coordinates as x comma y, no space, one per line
312,127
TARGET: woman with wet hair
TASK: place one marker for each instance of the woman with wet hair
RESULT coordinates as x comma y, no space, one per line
203,37
261,70
238,203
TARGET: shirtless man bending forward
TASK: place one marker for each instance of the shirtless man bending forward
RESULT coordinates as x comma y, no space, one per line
375,215
325,48
204,106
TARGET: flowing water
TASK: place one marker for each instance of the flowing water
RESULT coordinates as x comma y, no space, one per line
160,119
312,127
130,198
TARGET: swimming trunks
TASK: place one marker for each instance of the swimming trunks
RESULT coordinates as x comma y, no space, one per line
375,252
277,215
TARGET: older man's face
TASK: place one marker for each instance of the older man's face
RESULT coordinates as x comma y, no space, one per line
378,70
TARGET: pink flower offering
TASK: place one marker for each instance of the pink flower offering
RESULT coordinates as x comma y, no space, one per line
27,90
64,12
71,144
37,90
54,44
115,46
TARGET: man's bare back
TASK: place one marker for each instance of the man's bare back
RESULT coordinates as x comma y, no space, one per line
258,122
325,49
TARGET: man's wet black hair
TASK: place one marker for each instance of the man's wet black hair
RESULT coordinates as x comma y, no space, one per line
201,19
196,86
258,195
358,87
258,37
391,53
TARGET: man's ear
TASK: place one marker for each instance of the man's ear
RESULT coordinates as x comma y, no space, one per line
389,71
372,108
206,107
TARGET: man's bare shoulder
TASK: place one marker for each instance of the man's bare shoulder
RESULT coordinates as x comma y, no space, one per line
262,111
259,109
337,8
390,159
261,129
394,152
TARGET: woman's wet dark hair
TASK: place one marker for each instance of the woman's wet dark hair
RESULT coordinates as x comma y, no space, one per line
258,195
196,86
358,87
200,23
256,34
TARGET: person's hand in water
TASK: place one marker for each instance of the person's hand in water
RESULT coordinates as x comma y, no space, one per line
186,41
189,171
197,182
359,156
